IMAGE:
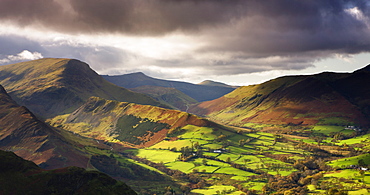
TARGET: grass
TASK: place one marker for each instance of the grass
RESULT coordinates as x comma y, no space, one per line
345,162
158,156
327,129
173,144
185,167
232,157
234,171
214,189
356,140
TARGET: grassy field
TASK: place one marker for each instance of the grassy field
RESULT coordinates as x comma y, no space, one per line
345,162
158,156
230,157
217,189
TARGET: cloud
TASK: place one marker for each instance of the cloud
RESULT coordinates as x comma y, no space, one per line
216,36
25,55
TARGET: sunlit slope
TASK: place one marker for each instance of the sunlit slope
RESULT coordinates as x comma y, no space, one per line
326,98
198,92
53,86
128,123
30,138
171,96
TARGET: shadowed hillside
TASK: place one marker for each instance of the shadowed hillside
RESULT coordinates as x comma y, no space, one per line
326,98
198,92
19,176
49,86
30,138
167,95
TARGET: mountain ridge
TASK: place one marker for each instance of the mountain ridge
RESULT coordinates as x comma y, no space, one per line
198,92
291,99
52,86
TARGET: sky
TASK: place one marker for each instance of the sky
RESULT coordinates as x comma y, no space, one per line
239,42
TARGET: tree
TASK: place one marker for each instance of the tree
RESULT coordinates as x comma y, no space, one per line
185,189
204,161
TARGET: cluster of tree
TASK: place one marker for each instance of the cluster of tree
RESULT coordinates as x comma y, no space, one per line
311,163
285,185
245,189
318,152
187,153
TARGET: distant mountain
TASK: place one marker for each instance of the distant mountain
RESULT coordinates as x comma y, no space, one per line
49,86
32,139
166,95
326,98
19,176
198,92
127,123
214,83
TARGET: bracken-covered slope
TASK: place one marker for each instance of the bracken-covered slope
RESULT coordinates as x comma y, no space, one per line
326,98
19,176
128,123
50,86
30,138
198,92
175,98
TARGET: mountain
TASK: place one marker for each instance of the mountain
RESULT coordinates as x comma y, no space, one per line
325,98
198,92
214,83
166,95
32,139
131,124
54,148
50,86
19,176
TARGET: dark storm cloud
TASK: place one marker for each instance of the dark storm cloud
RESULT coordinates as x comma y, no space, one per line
262,26
163,16
255,35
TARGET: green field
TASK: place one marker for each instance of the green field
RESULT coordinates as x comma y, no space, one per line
217,189
158,156
259,151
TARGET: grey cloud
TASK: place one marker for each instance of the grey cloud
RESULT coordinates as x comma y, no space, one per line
297,32
11,44
271,26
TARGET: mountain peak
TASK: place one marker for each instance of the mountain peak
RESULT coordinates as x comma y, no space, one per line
52,86
213,83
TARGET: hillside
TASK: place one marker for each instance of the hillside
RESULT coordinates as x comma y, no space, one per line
197,92
205,157
18,176
214,83
171,96
51,148
50,86
325,99
30,138
127,123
